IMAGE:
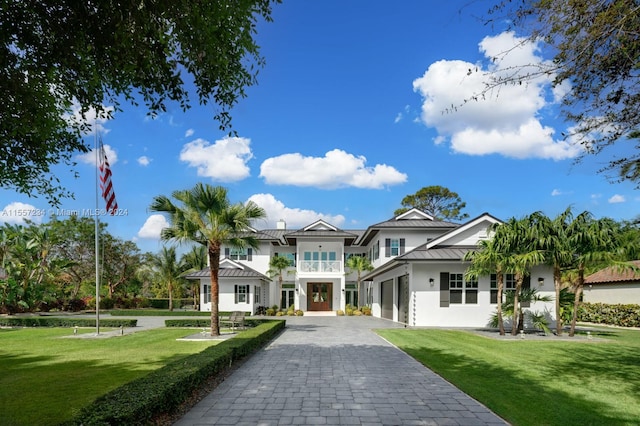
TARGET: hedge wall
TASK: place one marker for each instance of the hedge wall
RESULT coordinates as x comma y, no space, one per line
163,390
206,323
64,322
619,315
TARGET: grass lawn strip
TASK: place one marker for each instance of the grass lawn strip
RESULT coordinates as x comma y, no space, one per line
46,379
537,382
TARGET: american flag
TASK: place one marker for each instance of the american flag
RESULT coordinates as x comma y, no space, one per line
105,182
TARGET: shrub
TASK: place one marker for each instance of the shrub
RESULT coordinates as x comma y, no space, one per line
270,312
163,390
366,310
291,312
601,313
340,312
349,312
299,313
279,313
64,322
357,313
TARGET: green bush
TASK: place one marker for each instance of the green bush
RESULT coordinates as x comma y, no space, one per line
206,322
160,313
163,390
340,312
270,312
299,313
64,322
601,313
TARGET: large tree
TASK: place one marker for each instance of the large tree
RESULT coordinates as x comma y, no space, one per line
594,46
205,216
437,201
168,271
62,61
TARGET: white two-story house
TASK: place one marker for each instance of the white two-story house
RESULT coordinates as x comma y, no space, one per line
418,276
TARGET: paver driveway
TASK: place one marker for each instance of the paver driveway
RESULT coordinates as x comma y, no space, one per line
335,370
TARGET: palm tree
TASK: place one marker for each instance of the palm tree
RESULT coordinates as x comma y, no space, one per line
277,265
204,215
195,260
594,243
358,264
488,259
168,271
516,238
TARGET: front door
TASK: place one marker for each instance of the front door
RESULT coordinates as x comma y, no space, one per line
319,296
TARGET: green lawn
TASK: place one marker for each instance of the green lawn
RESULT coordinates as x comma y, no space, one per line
531,382
45,379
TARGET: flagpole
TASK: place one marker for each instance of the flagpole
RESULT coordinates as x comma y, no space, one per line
97,244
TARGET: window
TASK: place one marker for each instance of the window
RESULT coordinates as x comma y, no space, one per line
206,293
471,292
241,293
376,250
494,289
394,247
456,284
238,254
510,282
291,257
351,294
256,295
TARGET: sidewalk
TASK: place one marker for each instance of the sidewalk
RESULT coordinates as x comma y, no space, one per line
335,370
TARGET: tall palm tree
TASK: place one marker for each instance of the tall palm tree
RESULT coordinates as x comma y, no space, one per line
204,215
517,239
487,260
168,271
277,265
358,264
594,243
195,260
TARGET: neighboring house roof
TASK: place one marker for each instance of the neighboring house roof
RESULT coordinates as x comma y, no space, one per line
614,274
229,269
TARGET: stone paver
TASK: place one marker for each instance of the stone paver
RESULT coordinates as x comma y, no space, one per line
335,371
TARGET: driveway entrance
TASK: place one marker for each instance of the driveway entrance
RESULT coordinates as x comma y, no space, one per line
319,296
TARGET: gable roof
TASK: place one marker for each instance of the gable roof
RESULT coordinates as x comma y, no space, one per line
444,238
229,269
614,274
412,219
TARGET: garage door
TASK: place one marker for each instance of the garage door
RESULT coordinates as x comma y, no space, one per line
386,299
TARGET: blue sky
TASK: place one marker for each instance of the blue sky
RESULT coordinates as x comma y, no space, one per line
348,118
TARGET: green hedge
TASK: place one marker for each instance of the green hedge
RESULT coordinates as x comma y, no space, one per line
157,313
601,313
163,390
161,303
206,323
64,322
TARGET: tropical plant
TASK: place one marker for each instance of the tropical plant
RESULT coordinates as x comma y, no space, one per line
486,260
168,271
513,310
277,266
205,216
359,265
195,260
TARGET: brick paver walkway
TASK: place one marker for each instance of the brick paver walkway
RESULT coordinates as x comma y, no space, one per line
335,370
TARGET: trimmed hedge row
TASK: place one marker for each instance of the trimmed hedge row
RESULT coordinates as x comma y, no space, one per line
206,323
601,313
163,390
157,313
64,322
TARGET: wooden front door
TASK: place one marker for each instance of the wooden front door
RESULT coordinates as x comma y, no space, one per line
319,296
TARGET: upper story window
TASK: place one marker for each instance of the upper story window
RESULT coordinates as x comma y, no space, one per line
376,250
291,257
393,247
238,253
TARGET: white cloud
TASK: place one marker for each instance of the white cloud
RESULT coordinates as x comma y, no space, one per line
294,218
225,160
189,133
143,161
507,121
18,212
152,227
94,122
336,169
617,199
90,157
556,192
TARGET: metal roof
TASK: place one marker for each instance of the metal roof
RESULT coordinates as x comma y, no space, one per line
438,253
229,273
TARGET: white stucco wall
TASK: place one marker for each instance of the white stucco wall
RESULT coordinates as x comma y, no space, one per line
613,293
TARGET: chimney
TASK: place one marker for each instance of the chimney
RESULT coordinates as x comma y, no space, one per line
281,224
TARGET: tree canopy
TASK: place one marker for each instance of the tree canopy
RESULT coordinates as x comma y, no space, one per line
63,62
595,47
437,201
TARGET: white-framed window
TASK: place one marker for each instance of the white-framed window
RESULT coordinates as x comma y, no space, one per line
394,247
471,292
238,253
456,284
241,293
376,250
256,294
493,281
206,293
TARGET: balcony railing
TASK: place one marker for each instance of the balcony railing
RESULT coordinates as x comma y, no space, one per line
320,266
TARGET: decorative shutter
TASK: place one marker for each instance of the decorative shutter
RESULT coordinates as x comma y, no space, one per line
249,253
526,284
227,252
235,292
401,245
444,289
387,247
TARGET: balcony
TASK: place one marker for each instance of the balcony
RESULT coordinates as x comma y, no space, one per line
320,266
